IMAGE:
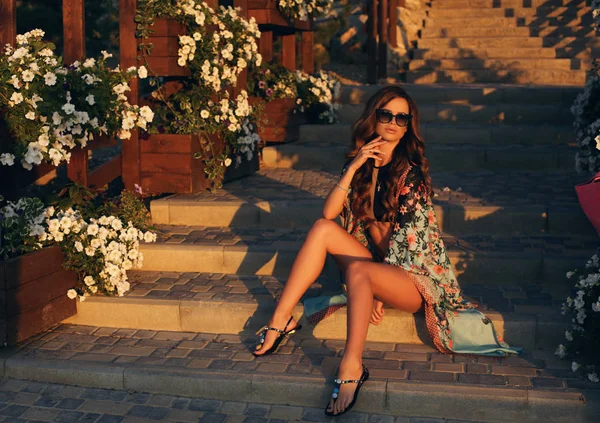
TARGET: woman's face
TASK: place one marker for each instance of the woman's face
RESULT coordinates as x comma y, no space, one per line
390,131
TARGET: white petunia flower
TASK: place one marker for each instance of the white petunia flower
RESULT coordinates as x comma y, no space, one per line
90,99
72,294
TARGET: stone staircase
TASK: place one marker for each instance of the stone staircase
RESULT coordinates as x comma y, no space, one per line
537,42
502,165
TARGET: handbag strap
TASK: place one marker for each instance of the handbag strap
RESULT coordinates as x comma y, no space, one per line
595,178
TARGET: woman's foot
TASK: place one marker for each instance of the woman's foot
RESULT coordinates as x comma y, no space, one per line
348,370
277,322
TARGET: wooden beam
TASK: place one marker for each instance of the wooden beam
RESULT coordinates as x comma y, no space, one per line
308,51
265,46
73,30
106,172
74,49
372,41
128,54
8,22
393,23
288,48
383,38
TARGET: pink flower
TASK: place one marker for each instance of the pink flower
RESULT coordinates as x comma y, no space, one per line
405,190
438,270
411,238
403,210
431,217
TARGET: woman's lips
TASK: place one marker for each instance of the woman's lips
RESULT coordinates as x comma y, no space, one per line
390,131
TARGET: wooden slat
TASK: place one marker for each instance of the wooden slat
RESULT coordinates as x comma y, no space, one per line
77,169
163,46
288,54
106,172
8,22
167,27
166,163
32,266
39,292
167,143
308,51
166,66
166,182
128,57
37,320
265,46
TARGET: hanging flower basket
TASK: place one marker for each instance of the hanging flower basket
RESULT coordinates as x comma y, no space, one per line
33,288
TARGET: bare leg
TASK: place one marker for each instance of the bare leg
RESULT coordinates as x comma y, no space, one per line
366,281
326,236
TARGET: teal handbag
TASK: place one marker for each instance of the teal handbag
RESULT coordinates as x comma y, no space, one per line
473,333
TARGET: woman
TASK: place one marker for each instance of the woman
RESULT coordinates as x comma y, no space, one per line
389,250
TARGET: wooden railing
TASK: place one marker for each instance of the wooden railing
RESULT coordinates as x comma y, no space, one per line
74,49
382,30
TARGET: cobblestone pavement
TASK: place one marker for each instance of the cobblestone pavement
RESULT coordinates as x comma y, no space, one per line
230,354
532,298
24,401
516,188
282,237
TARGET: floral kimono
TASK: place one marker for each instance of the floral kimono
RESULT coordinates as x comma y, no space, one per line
416,246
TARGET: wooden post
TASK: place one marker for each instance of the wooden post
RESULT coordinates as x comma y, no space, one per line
243,76
128,53
74,49
8,22
308,51
383,38
288,53
372,41
393,23
265,45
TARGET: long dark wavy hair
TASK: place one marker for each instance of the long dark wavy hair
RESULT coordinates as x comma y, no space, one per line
410,150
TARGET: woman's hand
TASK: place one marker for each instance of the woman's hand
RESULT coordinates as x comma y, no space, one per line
368,151
378,312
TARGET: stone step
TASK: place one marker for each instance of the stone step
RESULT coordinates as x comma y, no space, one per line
520,76
539,12
528,316
438,31
271,252
467,157
406,380
507,65
473,42
514,4
503,53
466,202
491,94
508,22
456,134
456,113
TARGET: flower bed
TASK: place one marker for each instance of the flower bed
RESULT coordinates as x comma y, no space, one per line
583,339
33,288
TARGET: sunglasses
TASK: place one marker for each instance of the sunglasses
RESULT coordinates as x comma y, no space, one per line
385,116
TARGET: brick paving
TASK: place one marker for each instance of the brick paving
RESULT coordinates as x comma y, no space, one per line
531,298
292,237
515,188
25,401
229,354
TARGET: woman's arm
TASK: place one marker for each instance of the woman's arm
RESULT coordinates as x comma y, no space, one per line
334,203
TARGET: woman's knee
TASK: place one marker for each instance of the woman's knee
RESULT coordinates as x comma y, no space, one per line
323,226
357,272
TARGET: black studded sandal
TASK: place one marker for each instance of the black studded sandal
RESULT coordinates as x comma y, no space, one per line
336,390
283,334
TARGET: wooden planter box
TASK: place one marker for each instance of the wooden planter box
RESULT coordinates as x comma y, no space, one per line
33,294
279,123
167,164
266,13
